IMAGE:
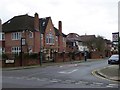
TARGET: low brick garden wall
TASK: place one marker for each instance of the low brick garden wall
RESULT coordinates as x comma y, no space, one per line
35,59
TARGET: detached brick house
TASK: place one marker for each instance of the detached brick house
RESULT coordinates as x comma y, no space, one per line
75,43
39,34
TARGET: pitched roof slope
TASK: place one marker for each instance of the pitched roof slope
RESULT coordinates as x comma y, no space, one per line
18,23
26,22
87,37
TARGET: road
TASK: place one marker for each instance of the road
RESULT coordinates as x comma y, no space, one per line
76,75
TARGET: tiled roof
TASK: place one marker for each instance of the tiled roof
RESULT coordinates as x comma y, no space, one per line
107,41
64,35
56,31
18,23
43,23
26,22
87,37
73,37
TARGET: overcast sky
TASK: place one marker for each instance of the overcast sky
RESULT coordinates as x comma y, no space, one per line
98,17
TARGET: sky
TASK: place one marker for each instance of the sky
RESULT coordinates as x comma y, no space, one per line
90,17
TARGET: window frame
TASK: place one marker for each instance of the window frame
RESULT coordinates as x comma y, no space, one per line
50,39
15,50
30,34
16,35
2,36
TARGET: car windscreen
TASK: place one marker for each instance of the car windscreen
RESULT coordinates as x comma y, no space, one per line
114,57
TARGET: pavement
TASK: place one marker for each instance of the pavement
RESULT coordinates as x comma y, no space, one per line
47,64
111,72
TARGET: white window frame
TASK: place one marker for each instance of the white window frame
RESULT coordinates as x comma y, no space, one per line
3,50
42,36
30,49
43,24
16,35
30,34
16,50
63,39
2,36
56,38
50,39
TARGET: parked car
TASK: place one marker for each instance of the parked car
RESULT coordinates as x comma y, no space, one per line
114,59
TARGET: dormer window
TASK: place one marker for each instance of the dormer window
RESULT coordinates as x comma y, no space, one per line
56,38
30,34
9,21
43,24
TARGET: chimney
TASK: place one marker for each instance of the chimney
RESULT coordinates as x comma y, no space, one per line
60,26
36,21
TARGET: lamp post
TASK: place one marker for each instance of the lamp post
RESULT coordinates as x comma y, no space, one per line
40,50
85,54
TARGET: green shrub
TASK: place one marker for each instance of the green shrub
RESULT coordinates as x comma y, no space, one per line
4,56
30,56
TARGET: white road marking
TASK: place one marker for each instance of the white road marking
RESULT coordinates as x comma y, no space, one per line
113,84
66,72
109,86
54,81
61,66
70,65
75,64
97,83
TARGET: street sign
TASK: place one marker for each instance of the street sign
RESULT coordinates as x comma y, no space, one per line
115,37
9,61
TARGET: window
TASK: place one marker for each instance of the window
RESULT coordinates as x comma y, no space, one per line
16,50
30,49
2,50
63,39
16,36
30,34
41,36
56,38
43,23
2,36
50,38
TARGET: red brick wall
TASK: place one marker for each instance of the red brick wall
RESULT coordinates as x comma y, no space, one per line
96,55
25,62
37,42
9,43
2,43
50,28
59,57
